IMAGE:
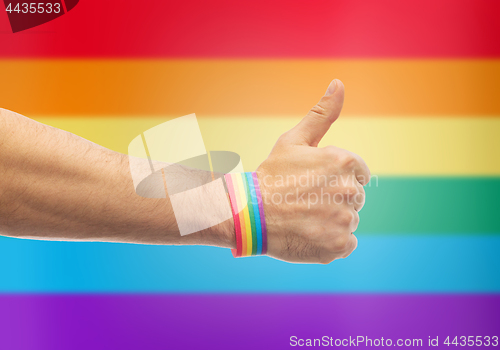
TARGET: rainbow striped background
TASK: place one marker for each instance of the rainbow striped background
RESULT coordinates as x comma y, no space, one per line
422,108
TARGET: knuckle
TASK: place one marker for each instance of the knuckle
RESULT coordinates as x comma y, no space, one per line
361,192
330,149
345,218
341,243
359,201
319,112
316,233
346,255
363,180
349,191
355,222
283,137
368,171
360,196
326,260
348,161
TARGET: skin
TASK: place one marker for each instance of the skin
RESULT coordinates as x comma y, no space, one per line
305,231
58,186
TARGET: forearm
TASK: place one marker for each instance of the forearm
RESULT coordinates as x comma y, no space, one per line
58,186
55,185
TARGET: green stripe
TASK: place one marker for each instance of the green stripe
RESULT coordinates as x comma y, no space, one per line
250,210
432,205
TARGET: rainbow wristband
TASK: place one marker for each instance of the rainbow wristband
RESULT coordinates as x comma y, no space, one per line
248,213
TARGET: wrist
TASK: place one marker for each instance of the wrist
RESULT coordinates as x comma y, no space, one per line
220,235
248,214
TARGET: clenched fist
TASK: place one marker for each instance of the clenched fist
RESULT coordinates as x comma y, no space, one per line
58,186
312,195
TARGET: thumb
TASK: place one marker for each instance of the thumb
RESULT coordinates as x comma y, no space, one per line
316,123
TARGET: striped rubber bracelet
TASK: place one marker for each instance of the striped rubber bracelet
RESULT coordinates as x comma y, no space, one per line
248,213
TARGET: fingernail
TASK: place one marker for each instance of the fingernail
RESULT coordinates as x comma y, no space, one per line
331,88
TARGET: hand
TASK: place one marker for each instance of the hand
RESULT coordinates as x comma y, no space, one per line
312,195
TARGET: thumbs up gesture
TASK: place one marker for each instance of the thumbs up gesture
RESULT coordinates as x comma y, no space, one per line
312,195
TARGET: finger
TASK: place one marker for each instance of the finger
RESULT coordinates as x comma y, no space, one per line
349,162
359,198
351,246
355,163
362,171
316,123
355,221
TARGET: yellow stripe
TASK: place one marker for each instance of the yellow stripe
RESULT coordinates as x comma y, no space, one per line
246,213
390,146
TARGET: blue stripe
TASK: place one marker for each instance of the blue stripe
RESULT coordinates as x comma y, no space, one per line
256,213
408,264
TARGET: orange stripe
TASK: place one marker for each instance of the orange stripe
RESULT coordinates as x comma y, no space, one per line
244,87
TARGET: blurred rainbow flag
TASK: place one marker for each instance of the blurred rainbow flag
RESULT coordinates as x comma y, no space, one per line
422,108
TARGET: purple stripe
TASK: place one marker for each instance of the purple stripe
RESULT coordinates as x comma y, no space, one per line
222,321
261,212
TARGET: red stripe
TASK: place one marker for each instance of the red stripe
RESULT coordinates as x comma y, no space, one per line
262,28
232,199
